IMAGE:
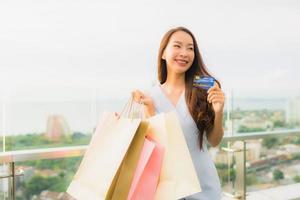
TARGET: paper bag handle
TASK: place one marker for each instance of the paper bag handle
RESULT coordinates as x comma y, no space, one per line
133,110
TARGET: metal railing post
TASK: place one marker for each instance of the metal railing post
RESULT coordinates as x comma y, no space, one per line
240,163
11,182
241,171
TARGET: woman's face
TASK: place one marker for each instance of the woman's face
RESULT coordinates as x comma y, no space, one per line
179,52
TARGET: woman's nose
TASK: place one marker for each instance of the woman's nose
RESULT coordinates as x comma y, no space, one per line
183,53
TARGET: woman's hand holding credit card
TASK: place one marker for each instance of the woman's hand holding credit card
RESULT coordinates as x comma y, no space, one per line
204,82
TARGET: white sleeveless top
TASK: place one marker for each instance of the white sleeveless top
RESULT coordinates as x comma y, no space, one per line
205,168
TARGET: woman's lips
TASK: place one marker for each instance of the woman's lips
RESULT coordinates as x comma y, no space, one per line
181,62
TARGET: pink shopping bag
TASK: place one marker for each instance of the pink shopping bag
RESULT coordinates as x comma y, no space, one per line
147,173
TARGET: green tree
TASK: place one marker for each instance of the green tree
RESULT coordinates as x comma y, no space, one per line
36,185
296,140
221,166
270,142
251,180
278,174
297,179
245,129
296,156
279,123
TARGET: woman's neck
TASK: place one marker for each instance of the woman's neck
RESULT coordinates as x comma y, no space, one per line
174,82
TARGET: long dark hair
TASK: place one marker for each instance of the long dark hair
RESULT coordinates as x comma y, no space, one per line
196,98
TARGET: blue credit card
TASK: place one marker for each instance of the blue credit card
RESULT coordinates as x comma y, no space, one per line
204,82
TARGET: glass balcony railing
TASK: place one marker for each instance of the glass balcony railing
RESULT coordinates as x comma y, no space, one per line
250,166
38,173
260,165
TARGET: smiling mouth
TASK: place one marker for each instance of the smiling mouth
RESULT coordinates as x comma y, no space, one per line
181,62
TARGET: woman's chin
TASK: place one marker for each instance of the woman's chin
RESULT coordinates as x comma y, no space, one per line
181,70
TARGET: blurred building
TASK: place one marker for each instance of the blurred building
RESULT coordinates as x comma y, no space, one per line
293,111
57,126
288,149
49,195
253,122
253,152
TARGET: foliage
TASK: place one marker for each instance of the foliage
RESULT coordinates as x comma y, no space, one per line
277,175
39,183
65,167
34,141
221,166
279,123
270,142
296,140
223,174
244,129
297,179
296,156
251,179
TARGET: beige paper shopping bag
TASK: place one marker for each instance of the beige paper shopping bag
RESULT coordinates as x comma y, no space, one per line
178,176
103,158
121,184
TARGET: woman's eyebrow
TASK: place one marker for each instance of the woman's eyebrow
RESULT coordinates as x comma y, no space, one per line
190,44
178,42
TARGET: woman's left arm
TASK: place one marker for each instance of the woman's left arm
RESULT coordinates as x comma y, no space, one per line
217,98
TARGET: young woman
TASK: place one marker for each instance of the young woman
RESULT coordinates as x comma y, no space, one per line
199,111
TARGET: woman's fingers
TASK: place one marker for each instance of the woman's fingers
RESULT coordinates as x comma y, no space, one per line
221,98
140,97
137,96
146,100
214,87
215,100
213,94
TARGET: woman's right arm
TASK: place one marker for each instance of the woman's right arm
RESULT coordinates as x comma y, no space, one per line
140,97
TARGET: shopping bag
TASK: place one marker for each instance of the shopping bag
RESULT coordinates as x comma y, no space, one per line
103,158
178,177
121,184
146,176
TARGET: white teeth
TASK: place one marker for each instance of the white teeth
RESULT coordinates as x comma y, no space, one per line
182,61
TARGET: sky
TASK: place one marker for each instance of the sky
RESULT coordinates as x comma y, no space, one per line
55,50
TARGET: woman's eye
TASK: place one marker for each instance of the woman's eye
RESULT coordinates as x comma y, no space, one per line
191,49
176,45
